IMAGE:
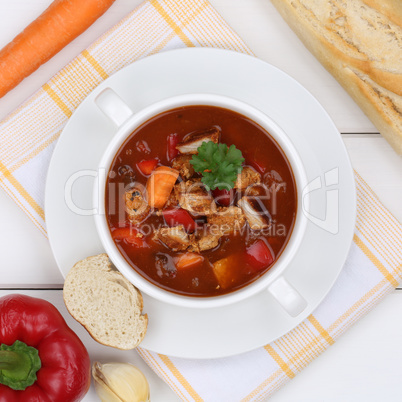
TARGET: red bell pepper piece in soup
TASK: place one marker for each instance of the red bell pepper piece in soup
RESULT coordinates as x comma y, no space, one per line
146,167
172,141
259,256
223,197
175,217
130,235
41,358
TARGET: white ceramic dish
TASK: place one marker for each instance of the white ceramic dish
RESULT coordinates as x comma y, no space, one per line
112,105
258,320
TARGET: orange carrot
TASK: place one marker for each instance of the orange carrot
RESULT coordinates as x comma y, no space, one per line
160,185
57,26
188,260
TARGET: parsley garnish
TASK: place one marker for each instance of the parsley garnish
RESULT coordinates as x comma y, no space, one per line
219,165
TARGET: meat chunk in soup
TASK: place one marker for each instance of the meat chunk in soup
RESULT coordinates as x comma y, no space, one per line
172,201
256,214
247,177
175,238
194,140
183,165
136,206
227,220
208,241
193,196
257,190
205,239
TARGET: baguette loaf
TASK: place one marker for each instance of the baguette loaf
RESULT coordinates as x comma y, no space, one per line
360,43
101,299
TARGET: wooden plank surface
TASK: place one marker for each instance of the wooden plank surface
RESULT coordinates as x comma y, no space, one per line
365,364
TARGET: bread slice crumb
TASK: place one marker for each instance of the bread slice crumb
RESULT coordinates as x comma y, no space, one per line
102,300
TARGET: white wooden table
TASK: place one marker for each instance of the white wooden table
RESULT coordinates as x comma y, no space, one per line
366,363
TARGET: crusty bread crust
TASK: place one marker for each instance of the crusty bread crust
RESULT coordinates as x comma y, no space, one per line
360,43
102,300
392,9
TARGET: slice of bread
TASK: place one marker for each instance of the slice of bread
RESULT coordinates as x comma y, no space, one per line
101,299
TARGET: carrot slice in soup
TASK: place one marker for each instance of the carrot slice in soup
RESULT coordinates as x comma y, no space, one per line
160,185
188,260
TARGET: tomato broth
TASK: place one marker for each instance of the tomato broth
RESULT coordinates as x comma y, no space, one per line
239,257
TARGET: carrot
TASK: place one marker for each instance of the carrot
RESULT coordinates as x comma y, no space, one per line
188,260
57,26
160,185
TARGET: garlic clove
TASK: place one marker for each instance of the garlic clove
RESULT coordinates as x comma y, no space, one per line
120,382
105,394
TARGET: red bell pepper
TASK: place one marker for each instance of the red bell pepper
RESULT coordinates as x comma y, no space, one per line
172,141
256,164
223,197
41,358
130,235
175,217
259,256
147,166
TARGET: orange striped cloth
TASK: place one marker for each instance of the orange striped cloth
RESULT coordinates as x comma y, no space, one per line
373,268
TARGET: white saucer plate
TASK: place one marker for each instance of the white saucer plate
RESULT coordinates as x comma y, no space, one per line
238,328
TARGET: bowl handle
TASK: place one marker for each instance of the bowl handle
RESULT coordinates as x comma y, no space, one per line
113,106
287,296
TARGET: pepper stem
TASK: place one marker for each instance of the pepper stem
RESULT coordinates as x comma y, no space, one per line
19,364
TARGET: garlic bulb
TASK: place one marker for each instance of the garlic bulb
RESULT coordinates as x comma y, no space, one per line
120,382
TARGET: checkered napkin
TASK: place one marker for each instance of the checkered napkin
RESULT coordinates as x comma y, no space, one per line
28,136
